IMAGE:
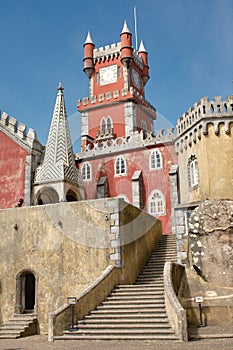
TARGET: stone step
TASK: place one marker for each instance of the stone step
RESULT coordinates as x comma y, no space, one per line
130,331
133,312
143,337
141,319
158,283
10,335
135,295
129,310
9,327
131,303
126,312
17,326
119,326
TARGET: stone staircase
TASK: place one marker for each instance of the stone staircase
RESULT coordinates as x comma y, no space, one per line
21,325
133,312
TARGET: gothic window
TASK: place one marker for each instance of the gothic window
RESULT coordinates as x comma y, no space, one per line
120,166
103,125
96,77
118,72
143,125
86,171
156,160
157,203
109,122
193,171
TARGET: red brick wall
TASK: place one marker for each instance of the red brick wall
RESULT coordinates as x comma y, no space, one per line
12,171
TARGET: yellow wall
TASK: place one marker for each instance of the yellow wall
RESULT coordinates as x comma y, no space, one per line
215,161
67,246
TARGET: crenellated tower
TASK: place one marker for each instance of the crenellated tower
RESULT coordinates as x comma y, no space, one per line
116,106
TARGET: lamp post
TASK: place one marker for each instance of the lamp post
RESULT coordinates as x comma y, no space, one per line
72,301
200,300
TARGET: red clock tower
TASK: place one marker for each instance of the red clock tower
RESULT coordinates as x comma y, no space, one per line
121,156
117,76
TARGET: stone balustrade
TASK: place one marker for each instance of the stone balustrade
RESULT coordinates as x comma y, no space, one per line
135,140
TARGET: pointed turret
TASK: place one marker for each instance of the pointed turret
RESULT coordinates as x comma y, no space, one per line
126,46
144,55
88,56
58,168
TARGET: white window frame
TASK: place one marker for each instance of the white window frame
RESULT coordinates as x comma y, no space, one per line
193,171
157,206
121,169
156,157
85,170
108,118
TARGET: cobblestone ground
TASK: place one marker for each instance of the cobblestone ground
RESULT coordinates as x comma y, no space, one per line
39,342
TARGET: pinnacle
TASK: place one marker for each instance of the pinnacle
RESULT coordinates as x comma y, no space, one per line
89,39
125,28
141,47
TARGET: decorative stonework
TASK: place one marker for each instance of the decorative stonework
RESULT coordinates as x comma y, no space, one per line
135,140
58,179
194,124
117,95
59,162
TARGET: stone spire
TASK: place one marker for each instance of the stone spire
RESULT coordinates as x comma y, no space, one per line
59,162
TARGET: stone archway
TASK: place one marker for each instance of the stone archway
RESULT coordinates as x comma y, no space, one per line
25,292
71,196
47,195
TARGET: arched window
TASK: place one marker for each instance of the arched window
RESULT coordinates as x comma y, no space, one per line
86,171
193,171
103,125
157,203
120,166
109,122
156,161
143,125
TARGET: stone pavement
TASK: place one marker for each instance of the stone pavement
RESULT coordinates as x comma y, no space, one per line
39,342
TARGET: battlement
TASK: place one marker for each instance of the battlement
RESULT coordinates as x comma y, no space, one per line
18,131
203,110
110,51
194,124
107,52
135,141
112,97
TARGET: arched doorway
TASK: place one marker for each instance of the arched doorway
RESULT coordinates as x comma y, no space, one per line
25,292
46,195
29,292
71,196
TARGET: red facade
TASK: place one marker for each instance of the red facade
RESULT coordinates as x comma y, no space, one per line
12,171
120,155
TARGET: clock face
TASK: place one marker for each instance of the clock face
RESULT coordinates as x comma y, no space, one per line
108,75
136,78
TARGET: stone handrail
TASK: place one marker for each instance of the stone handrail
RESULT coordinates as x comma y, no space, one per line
87,300
176,313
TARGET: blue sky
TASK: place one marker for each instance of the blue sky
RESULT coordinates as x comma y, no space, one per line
189,42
